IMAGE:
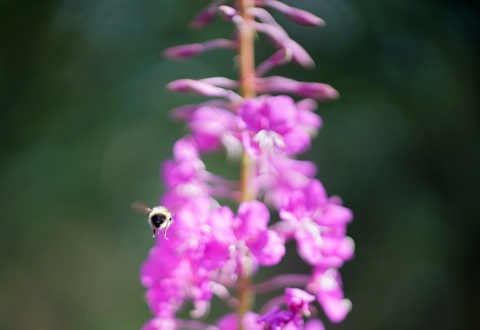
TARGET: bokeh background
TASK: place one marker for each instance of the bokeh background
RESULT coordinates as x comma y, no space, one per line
84,126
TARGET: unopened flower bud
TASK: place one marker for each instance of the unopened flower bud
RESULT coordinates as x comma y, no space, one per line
227,12
282,40
281,57
202,88
303,17
299,16
184,51
314,90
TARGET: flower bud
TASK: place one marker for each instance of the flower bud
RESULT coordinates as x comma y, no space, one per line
204,18
314,90
227,12
303,17
281,57
281,39
184,51
299,16
202,88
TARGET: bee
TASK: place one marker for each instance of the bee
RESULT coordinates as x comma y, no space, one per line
159,218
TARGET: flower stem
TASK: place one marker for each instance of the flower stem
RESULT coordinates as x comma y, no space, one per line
246,35
246,50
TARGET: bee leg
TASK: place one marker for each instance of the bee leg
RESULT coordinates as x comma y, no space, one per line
154,232
165,234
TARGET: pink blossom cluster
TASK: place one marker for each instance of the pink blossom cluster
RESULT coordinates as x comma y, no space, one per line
210,246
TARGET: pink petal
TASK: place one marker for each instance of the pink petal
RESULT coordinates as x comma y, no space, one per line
342,247
249,113
230,322
314,325
185,149
310,244
316,195
307,104
336,216
221,220
160,324
309,119
269,248
336,309
297,140
254,217
280,111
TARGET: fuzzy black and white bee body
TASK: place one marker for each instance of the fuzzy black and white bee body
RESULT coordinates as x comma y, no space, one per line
159,218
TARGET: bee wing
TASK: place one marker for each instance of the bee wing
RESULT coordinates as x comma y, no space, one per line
141,207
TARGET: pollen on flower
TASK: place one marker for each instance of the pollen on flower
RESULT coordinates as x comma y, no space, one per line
268,140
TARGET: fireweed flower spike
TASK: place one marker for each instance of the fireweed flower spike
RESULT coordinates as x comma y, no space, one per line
216,251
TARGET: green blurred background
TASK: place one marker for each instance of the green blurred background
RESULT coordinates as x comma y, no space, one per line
84,126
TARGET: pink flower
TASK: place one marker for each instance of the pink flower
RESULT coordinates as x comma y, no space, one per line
185,112
210,247
327,286
248,237
277,319
212,127
186,166
297,302
187,179
251,229
280,175
318,225
271,124
182,268
184,175
230,322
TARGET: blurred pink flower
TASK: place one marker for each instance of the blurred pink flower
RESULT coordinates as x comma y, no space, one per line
327,286
209,247
230,322
271,124
297,302
211,128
